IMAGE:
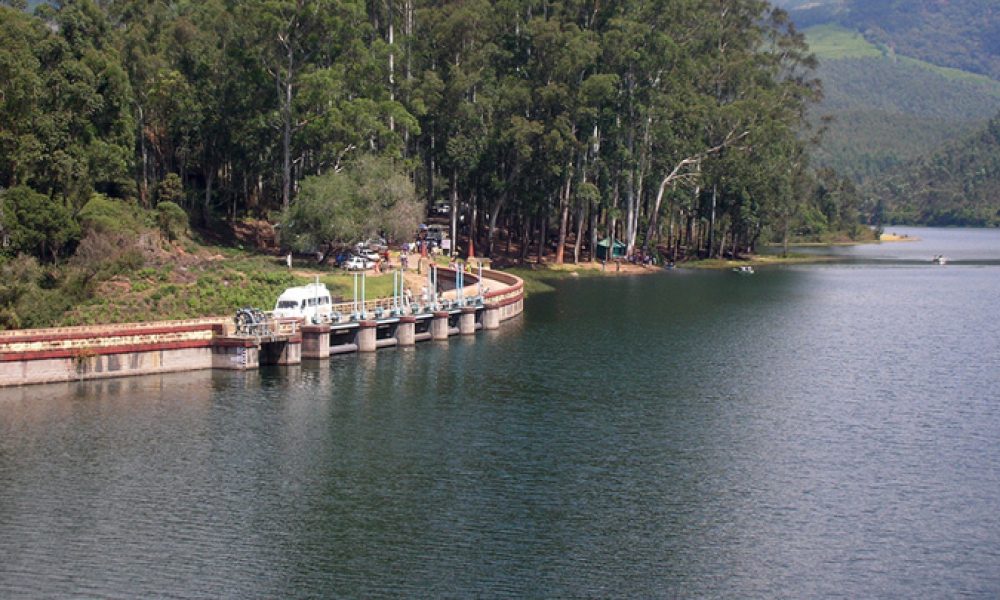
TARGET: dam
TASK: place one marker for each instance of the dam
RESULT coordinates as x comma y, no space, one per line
32,356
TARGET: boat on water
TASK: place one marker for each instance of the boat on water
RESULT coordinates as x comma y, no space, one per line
744,270
311,302
940,259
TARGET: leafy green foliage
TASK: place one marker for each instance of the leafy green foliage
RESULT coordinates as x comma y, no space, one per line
67,128
371,197
36,224
958,185
172,219
170,189
107,215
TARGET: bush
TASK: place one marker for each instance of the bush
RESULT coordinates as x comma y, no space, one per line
170,189
105,215
104,254
36,224
172,219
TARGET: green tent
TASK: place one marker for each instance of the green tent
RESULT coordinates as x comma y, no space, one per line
605,250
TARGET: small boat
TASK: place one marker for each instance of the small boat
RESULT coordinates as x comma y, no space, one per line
940,260
744,270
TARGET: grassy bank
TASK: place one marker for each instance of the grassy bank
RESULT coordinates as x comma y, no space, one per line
213,287
160,280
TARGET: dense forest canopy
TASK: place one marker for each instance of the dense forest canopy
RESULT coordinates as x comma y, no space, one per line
881,111
914,135
670,123
958,185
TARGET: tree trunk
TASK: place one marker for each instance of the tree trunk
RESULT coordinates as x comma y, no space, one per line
525,239
454,212
144,162
784,241
206,207
286,133
508,228
578,242
593,232
542,234
711,222
563,214
630,213
670,234
392,62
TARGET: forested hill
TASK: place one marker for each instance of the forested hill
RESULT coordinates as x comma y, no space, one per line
964,34
888,109
958,185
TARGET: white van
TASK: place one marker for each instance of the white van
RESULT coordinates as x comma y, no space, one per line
310,302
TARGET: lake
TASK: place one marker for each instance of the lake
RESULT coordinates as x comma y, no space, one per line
824,430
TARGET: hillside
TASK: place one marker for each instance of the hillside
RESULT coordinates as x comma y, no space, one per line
963,34
958,185
888,109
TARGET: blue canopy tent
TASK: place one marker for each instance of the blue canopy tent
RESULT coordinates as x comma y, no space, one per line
606,250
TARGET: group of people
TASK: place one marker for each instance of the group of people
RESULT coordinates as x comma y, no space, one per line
642,258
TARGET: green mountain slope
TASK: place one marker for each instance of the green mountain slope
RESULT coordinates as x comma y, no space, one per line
958,185
888,109
956,33
963,34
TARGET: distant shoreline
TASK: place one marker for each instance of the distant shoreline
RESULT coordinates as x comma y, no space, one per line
884,238
895,237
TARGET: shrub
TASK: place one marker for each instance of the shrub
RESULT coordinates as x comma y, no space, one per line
172,219
171,189
36,224
105,215
103,254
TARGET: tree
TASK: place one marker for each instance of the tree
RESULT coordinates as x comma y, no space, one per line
36,224
370,197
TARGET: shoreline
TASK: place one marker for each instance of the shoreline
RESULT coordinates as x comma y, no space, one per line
885,238
535,275
895,237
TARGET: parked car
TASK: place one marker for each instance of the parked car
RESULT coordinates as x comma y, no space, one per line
436,233
358,263
378,244
367,253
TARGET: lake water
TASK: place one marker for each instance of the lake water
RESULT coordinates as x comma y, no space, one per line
827,430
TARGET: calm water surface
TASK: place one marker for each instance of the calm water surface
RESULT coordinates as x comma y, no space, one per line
814,431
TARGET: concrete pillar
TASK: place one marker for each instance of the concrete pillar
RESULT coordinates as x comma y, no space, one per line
366,336
291,353
235,354
315,341
406,331
439,325
467,321
491,317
